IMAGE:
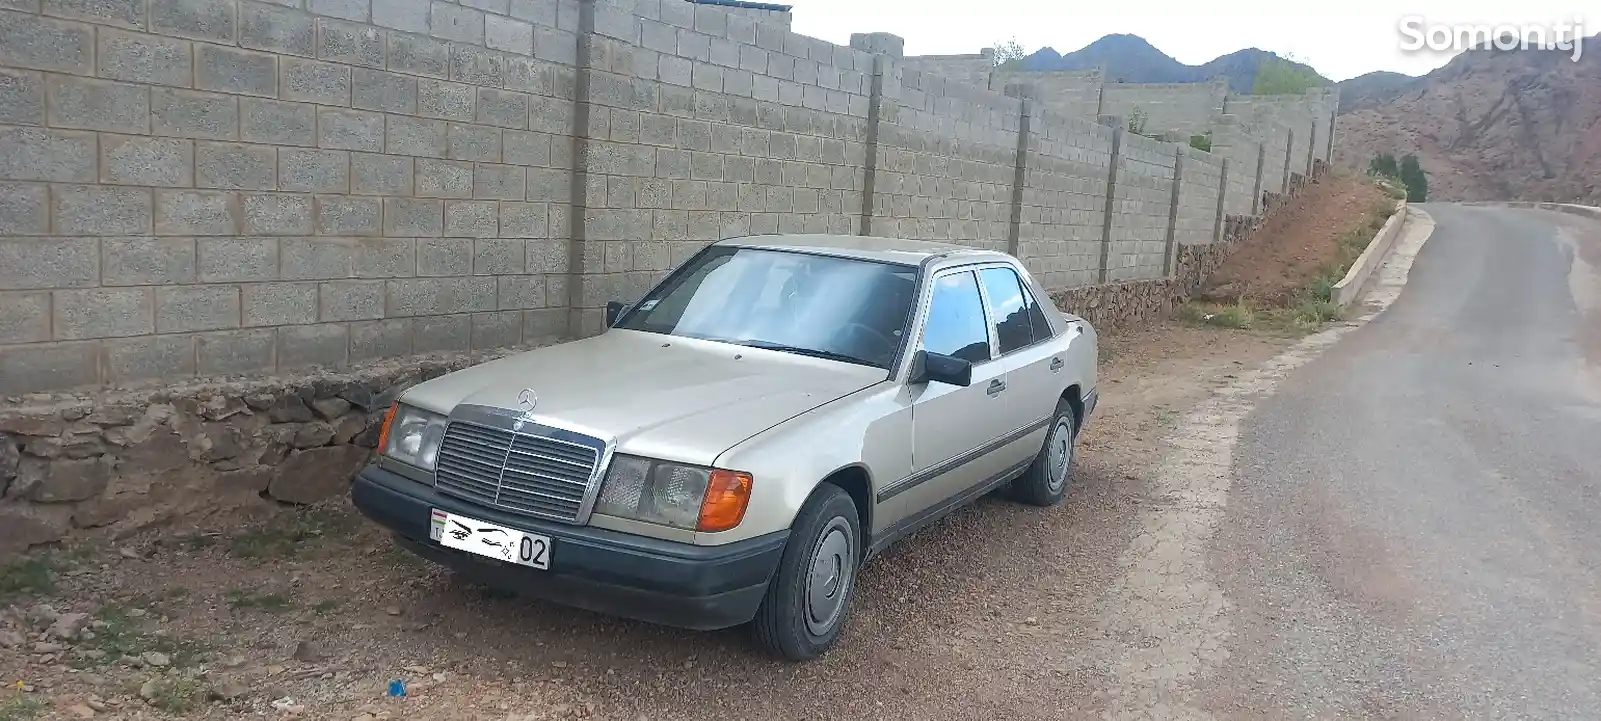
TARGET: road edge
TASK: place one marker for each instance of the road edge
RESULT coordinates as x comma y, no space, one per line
1349,289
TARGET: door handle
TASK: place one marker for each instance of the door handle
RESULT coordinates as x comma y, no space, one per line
996,386
1056,364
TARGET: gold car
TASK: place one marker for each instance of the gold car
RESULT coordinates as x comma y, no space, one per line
741,439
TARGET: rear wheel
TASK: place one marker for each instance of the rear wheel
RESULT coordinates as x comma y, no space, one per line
809,595
1045,481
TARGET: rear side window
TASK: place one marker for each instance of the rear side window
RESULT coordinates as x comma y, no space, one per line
1017,317
956,325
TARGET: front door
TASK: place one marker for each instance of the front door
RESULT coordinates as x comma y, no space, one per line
952,425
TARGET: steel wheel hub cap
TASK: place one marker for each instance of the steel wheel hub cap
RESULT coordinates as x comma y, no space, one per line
829,580
1059,454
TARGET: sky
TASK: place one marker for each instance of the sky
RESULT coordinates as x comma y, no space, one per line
1342,39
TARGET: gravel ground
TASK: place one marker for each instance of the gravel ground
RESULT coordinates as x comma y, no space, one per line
1000,611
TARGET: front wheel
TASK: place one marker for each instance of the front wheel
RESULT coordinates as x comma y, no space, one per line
808,597
1045,481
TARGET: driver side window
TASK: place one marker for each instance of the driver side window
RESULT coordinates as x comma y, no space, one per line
956,325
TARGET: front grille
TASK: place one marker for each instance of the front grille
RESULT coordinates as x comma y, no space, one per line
520,472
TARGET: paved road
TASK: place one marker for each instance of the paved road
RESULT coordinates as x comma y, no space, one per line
1414,530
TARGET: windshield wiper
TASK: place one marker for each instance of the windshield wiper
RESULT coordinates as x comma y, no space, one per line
809,352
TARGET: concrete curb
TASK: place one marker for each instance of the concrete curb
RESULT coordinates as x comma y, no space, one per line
1349,287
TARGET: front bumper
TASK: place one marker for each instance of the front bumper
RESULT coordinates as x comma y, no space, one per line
674,584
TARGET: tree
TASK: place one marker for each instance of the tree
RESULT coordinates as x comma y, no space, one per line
1277,76
1383,165
1009,55
1416,181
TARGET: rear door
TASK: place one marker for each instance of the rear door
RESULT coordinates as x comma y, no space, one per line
1023,349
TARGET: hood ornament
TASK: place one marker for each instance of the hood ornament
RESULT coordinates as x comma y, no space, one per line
527,399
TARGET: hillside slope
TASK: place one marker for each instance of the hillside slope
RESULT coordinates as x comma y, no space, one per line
1523,125
1130,59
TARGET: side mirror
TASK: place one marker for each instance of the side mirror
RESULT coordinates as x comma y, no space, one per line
940,368
614,308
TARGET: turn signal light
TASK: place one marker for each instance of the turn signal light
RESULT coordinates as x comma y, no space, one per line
383,432
727,496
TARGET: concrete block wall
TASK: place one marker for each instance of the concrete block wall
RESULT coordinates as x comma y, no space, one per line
701,125
227,186
1185,107
1062,209
1297,119
1071,93
973,69
1196,221
946,157
1235,141
1141,207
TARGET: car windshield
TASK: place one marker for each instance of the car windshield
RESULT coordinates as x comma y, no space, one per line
814,305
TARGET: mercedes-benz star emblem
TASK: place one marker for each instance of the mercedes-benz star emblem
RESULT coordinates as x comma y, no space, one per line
528,399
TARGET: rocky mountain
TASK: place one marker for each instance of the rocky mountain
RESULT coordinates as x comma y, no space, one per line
1489,125
1130,59
1373,89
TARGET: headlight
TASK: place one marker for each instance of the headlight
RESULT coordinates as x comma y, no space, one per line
412,436
673,494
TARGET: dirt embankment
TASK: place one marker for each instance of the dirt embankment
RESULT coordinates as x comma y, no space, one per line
1295,246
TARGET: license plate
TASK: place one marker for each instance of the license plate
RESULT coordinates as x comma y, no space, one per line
490,540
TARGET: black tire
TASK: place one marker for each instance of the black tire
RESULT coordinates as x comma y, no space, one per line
1039,485
786,622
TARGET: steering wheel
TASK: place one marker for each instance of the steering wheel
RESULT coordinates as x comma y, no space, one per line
881,345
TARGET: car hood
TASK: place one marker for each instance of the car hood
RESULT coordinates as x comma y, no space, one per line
660,396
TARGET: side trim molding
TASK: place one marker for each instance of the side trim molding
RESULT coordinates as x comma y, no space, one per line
908,483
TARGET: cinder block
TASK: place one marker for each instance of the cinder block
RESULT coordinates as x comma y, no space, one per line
231,259
538,12
386,257
235,166
524,220
415,54
25,317
161,356
355,10
316,82
195,212
556,45
199,19
498,182
438,333
277,29
349,215
51,155
133,160
413,217
549,185
236,351
444,178
406,15
123,13
314,171
144,58
524,148
29,41
472,218
502,108
497,330
449,21
383,91
350,130
380,174
102,313
192,114
279,303
147,261
181,309
439,296
97,104
101,210
350,43
28,368
473,142
231,70
550,115
24,209
415,136
478,66
380,339
444,256
512,36
21,97
519,292
276,214
450,101
352,300
325,344
317,258
498,256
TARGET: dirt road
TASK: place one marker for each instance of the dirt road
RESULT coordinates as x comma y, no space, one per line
1001,611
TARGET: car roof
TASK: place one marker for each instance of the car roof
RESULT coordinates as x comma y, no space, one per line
862,247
